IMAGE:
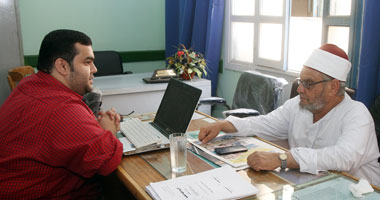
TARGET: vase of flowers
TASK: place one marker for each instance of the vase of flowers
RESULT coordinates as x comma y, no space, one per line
187,63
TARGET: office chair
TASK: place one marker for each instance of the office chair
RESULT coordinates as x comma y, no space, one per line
108,63
255,94
16,74
93,100
293,92
375,112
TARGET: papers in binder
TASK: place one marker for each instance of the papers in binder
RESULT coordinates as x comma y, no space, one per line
236,160
220,183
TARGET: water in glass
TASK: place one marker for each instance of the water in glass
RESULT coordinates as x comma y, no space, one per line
178,152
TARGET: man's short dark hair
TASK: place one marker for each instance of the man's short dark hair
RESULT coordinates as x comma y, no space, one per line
60,44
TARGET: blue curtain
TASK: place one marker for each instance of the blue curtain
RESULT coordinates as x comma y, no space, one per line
198,24
369,64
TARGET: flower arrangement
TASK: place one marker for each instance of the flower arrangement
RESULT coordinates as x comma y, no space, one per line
187,62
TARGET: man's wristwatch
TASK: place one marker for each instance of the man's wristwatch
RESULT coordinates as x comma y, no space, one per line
283,157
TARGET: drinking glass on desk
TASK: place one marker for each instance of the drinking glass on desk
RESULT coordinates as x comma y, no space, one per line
178,152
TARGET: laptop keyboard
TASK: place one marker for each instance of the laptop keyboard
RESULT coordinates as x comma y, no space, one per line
141,134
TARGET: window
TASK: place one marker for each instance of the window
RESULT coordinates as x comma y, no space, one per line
281,34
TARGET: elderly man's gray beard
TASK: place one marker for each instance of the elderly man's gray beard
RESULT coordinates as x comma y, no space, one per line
318,104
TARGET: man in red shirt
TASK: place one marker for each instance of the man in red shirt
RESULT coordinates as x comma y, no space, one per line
51,144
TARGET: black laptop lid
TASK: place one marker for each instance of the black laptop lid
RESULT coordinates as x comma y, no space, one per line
177,107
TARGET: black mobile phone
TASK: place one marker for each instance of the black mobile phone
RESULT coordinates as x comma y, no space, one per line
231,149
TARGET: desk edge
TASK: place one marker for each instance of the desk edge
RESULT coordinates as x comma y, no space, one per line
132,185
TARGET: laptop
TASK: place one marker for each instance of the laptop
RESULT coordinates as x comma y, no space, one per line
173,115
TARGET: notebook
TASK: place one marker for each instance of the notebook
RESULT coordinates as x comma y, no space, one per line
173,115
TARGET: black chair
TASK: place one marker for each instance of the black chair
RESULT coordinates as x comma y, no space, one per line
255,94
93,100
293,92
108,63
375,112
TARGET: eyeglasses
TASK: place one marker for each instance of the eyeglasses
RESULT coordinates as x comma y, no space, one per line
308,85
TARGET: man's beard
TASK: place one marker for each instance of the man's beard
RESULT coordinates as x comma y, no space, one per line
317,105
79,86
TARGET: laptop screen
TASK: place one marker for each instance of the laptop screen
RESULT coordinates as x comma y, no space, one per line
177,106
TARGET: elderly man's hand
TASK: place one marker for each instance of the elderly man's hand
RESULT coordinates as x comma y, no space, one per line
261,160
209,132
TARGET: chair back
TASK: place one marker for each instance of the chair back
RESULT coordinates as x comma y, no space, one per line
293,92
16,74
258,91
108,63
94,100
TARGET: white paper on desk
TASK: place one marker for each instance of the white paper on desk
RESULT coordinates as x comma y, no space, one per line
127,145
236,160
209,120
220,183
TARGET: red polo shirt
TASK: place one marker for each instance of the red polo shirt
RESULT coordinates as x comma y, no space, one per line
51,145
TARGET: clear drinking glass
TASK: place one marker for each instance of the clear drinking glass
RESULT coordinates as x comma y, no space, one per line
178,152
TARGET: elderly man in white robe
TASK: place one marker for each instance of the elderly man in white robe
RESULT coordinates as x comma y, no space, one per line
325,128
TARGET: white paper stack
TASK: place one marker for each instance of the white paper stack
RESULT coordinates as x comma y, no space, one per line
220,183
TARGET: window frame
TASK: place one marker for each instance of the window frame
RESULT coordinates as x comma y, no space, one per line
256,20
281,66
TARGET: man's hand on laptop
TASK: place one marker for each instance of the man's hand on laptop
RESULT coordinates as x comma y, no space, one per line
109,120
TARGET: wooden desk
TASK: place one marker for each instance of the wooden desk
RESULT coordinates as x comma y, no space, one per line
136,173
129,92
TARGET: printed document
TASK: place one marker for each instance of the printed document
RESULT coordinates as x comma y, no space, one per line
219,183
236,160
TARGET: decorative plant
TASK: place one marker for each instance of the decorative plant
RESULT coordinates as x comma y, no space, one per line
187,62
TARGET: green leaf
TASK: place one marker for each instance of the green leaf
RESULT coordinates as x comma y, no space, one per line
199,73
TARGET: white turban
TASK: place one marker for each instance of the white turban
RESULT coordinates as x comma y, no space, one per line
329,64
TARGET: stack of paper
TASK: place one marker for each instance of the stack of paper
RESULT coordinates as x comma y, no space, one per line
236,160
220,183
